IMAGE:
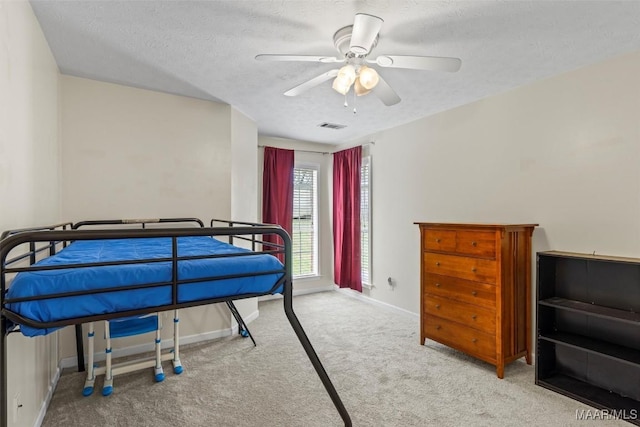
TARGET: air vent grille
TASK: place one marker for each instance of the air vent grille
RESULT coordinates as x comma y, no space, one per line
331,126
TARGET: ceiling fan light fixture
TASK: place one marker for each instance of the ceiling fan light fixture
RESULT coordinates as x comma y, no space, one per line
359,88
344,80
347,74
341,86
368,77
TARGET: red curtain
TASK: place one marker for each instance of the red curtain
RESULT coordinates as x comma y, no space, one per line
346,218
277,192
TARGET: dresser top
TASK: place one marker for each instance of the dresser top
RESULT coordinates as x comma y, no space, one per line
472,225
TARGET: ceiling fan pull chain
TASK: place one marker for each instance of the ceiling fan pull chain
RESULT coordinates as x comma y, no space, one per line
346,104
354,102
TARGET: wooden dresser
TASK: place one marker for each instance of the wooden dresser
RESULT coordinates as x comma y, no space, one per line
475,291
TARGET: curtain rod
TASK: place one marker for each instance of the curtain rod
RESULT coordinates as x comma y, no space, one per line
303,151
322,152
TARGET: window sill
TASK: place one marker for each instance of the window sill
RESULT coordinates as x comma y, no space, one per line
307,278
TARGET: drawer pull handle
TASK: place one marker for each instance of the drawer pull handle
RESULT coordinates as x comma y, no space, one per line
474,269
437,285
437,240
474,340
474,244
438,264
474,293
438,327
473,316
437,306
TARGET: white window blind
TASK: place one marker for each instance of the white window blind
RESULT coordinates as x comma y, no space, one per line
305,220
365,219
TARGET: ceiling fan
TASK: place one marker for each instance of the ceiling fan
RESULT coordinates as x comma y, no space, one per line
355,43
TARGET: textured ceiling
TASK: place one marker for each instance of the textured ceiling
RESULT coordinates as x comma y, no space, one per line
206,49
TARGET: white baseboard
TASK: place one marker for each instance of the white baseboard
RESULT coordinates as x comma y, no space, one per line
297,292
354,294
71,362
348,292
47,399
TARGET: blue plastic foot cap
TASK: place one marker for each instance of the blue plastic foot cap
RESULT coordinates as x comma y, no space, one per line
106,391
159,378
87,391
177,370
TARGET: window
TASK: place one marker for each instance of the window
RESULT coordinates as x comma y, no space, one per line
365,219
305,222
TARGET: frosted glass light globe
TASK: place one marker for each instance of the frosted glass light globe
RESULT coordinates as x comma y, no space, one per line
368,77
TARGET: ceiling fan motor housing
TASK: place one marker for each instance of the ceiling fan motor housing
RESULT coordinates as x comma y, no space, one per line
342,42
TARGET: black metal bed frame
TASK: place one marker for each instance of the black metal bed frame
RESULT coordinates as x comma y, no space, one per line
50,237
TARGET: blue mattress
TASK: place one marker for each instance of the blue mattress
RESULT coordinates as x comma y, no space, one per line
40,283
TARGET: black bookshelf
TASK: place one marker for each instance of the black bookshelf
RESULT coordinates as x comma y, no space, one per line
588,330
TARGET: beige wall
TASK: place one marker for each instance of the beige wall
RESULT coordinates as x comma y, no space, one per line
244,189
311,153
244,168
133,153
29,181
28,121
562,152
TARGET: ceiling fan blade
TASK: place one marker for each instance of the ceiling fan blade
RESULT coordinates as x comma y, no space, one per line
383,91
435,63
311,83
365,30
306,58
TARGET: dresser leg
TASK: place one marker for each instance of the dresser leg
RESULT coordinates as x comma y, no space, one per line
527,357
500,370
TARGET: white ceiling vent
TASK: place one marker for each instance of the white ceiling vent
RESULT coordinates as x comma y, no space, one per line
331,126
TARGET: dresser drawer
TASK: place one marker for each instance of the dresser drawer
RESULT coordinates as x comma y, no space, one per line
439,240
476,243
467,291
463,338
474,316
476,269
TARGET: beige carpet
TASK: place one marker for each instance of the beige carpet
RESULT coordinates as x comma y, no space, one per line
384,377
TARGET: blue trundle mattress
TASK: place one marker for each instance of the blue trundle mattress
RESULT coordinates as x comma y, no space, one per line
49,282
